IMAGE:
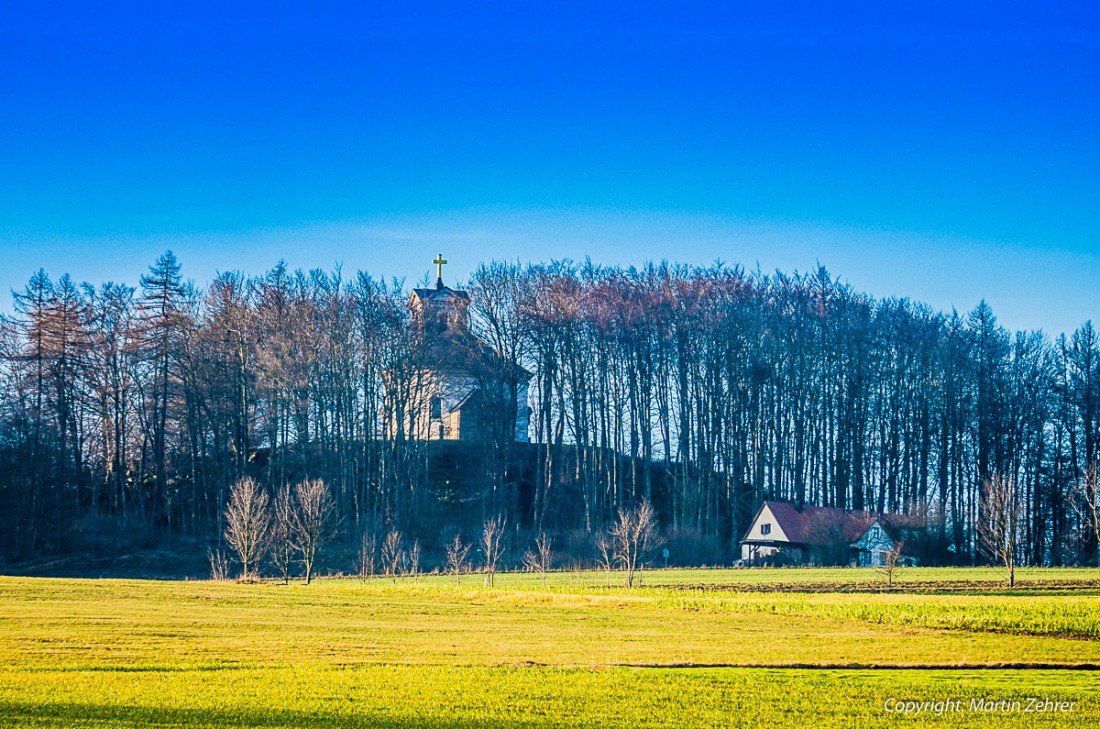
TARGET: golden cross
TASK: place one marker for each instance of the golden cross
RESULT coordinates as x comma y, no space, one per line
439,261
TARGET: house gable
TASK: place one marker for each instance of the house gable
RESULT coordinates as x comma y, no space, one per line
875,538
766,527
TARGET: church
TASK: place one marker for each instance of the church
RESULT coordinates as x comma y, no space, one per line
464,383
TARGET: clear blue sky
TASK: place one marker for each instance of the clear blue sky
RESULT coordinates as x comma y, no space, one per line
941,151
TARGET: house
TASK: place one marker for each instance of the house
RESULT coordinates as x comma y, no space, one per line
818,535
459,388
882,536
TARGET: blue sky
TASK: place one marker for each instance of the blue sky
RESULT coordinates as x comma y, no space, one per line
943,151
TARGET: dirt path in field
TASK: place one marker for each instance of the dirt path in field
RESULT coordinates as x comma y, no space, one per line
1051,587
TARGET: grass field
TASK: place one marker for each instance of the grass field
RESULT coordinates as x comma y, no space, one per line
819,648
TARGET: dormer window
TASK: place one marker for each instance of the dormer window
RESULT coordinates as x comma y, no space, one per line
765,528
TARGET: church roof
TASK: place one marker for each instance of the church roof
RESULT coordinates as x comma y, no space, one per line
462,351
438,290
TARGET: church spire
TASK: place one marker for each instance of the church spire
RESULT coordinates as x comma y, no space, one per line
439,261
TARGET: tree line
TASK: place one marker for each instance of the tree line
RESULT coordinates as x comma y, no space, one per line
699,390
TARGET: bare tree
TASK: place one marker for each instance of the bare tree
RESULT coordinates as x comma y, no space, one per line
457,552
605,553
632,536
414,559
368,549
891,561
540,558
282,531
492,545
247,522
393,552
314,522
219,565
1085,500
998,525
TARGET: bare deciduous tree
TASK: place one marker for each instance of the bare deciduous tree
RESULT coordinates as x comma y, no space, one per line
368,550
633,534
282,531
247,522
891,561
492,545
414,559
999,525
393,552
605,553
457,552
540,558
219,565
313,522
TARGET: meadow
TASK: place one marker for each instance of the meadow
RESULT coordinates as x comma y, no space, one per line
689,648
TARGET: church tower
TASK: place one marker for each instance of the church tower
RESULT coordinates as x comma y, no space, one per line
440,310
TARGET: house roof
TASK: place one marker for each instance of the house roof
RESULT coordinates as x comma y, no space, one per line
815,525
896,528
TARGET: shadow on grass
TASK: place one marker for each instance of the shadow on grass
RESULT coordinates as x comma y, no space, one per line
82,714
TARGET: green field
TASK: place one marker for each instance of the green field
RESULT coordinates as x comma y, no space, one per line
810,647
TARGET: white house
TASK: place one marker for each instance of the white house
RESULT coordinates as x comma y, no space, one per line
880,538
805,534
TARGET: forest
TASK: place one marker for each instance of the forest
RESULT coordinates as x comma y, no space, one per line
127,413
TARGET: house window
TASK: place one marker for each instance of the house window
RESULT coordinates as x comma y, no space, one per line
765,528
437,407
875,533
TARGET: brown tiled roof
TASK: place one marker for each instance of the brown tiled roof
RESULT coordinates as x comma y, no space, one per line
806,525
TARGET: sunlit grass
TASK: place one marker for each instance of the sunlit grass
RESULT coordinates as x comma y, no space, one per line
682,651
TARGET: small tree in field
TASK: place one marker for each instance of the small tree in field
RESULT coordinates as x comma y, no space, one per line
313,522
1085,500
605,554
456,557
492,544
998,524
282,532
633,534
219,565
392,554
247,522
414,559
368,552
540,558
891,561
